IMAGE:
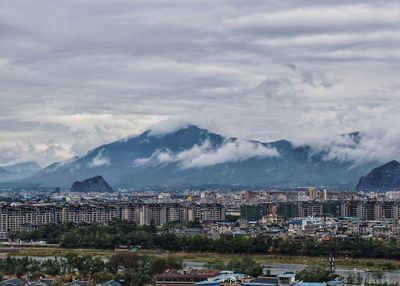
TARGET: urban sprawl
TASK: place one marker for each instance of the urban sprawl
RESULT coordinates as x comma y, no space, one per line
312,212
303,221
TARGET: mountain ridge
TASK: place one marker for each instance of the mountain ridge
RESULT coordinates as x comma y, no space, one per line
18,171
28,166
193,156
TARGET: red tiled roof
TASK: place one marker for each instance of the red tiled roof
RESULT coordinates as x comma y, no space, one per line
189,274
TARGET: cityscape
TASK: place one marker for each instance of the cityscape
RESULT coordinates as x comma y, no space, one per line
200,143
303,212
304,222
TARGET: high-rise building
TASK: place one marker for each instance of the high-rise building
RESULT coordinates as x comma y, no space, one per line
288,209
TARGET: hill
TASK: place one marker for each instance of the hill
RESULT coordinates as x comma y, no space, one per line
95,184
17,172
382,178
30,166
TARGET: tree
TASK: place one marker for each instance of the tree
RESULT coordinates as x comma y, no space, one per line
70,240
19,271
103,276
246,265
217,264
153,228
159,265
315,273
129,261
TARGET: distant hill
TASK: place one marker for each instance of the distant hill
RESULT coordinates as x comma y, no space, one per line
382,178
18,171
193,156
95,184
30,166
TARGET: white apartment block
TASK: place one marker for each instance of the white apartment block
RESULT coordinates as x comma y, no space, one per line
15,218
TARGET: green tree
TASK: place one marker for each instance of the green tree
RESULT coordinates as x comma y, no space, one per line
70,240
103,276
217,264
246,265
129,261
315,273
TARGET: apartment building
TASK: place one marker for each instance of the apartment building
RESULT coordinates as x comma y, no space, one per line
29,217
310,208
89,213
159,214
206,212
130,212
371,210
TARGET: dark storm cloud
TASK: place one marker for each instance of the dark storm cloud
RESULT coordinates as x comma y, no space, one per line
76,74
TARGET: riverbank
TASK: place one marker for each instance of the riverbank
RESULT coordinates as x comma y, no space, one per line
359,263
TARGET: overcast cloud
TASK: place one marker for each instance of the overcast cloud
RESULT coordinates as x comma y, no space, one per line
77,74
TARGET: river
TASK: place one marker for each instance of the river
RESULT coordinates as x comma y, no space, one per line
390,277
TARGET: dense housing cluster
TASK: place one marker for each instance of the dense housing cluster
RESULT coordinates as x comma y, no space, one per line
311,212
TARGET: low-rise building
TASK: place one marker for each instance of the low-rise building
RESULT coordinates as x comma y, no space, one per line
173,277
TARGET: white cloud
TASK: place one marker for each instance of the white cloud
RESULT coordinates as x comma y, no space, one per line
92,72
378,132
61,164
372,148
206,155
167,126
318,18
99,160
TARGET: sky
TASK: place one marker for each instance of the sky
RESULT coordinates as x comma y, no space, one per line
78,74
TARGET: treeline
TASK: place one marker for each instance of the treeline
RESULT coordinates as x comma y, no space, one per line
134,269
368,248
119,233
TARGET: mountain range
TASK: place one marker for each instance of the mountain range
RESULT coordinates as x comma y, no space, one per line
193,156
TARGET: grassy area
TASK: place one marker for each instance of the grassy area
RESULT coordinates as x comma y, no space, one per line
373,264
50,251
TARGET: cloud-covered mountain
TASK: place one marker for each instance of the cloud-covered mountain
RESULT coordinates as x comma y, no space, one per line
18,171
193,156
382,178
30,166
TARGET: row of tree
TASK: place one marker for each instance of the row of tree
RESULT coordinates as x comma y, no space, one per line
118,233
133,268
245,265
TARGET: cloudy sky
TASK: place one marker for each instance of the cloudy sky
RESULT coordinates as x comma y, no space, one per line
77,74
